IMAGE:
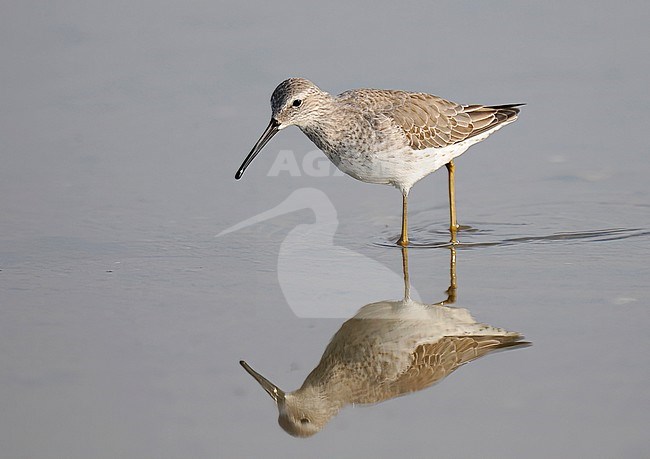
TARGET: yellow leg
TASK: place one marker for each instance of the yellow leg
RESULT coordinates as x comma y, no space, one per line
404,238
453,227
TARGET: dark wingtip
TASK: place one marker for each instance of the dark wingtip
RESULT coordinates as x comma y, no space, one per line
510,110
239,174
506,106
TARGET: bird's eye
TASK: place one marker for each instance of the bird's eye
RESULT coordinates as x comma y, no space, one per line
304,421
296,103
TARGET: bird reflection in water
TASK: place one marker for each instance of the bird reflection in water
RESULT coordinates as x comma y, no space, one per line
388,349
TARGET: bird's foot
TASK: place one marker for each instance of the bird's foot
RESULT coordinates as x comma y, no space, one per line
453,229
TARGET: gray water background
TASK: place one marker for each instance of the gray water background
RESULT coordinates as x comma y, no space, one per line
122,317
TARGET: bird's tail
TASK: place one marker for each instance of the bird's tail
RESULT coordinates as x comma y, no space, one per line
488,117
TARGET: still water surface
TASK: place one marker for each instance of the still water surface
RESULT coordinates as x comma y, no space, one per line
123,317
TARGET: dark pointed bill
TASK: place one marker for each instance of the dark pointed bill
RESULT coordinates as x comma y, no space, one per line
270,131
274,391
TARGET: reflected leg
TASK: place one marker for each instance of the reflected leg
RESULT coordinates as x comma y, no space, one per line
451,291
405,270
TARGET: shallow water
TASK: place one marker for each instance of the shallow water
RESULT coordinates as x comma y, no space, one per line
123,315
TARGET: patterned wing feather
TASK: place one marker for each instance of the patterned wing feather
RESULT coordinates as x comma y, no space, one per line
430,121
433,362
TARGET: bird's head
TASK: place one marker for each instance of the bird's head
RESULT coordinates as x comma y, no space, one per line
301,413
296,101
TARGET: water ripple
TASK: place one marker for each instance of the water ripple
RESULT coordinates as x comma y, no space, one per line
470,237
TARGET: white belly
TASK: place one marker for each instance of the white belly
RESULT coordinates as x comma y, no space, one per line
402,168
